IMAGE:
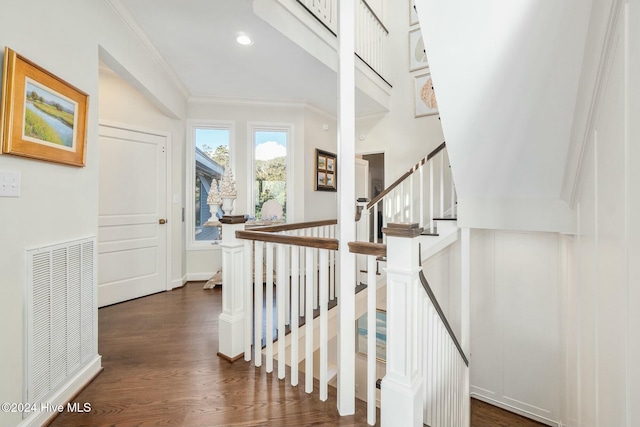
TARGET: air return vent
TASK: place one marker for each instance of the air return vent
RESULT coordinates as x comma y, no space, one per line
61,314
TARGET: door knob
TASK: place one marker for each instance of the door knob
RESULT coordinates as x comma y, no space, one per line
162,221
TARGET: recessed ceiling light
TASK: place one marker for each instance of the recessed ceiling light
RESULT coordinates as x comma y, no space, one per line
244,39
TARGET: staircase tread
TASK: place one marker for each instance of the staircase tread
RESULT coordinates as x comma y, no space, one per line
430,232
446,218
302,319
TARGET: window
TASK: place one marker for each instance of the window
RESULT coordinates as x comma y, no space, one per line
271,169
210,142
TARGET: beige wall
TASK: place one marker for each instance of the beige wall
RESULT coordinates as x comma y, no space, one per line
58,203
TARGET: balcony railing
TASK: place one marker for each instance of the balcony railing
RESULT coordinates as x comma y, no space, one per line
371,34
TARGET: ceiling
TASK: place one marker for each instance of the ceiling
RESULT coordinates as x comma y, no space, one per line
197,40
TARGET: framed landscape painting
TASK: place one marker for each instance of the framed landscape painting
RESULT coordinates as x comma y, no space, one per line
43,117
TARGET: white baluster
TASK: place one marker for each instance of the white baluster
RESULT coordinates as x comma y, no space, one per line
248,294
421,219
431,224
324,322
269,307
376,238
308,379
371,339
295,287
411,196
315,277
281,304
453,194
257,342
441,184
332,266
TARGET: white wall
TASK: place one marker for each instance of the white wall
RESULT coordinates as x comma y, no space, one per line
307,136
403,138
603,344
57,203
515,321
506,75
120,103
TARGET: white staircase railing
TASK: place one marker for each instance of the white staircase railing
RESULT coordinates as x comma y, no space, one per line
288,271
298,262
444,367
371,34
427,379
422,194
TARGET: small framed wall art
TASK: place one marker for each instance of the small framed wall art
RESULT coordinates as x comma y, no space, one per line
424,96
43,117
326,171
417,52
413,12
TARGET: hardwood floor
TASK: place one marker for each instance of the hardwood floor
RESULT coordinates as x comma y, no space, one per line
161,369
485,415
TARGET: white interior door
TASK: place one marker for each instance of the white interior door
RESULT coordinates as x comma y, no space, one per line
132,235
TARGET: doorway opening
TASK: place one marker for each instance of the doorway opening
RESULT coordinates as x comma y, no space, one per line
376,186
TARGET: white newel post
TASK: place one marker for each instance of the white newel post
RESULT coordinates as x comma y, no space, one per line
231,321
401,398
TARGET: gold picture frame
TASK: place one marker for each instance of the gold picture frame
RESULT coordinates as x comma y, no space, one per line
326,171
42,116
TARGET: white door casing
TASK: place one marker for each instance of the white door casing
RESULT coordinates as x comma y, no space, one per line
132,240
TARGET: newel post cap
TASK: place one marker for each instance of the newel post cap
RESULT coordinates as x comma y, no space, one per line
403,229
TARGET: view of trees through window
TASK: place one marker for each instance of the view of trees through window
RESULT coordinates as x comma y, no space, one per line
270,170
211,157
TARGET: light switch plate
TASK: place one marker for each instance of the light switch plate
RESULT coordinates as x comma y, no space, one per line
9,184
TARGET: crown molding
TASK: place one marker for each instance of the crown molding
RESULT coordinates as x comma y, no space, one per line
131,24
281,103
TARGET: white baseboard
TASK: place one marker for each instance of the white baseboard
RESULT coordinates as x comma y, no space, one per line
65,393
515,410
197,277
176,283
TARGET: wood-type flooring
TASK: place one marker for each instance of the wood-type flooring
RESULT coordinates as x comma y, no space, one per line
161,369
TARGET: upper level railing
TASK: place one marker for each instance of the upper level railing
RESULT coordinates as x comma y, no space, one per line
371,33
422,194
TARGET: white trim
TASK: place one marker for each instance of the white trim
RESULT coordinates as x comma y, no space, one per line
192,124
177,283
66,392
580,137
199,277
515,410
169,210
289,129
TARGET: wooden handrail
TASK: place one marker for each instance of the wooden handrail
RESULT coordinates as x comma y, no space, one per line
435,303
294,226
309,242
405,175
367,248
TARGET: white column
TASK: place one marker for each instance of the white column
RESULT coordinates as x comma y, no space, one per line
346,206
231,321
401,398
